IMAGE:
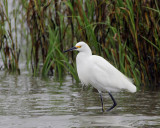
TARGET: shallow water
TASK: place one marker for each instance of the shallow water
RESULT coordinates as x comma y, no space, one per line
34,102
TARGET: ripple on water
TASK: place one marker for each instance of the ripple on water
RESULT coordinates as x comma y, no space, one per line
34,102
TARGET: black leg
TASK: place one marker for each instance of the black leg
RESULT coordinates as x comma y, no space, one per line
114,102
101,101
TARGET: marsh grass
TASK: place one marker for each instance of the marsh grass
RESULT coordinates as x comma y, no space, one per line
124,32
9,46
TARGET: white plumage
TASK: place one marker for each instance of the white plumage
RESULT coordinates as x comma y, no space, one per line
96,71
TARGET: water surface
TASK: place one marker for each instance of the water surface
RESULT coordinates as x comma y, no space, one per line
35,102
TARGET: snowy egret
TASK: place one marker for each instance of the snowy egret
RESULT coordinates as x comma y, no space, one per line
96,71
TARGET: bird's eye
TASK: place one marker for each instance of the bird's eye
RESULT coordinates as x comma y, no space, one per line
78,46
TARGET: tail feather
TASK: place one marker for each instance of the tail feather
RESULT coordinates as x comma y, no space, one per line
131,87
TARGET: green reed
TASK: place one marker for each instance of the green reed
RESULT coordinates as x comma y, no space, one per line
124,32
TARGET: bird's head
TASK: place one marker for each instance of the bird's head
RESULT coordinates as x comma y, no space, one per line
81,47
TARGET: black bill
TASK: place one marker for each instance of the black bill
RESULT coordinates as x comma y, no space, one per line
71,49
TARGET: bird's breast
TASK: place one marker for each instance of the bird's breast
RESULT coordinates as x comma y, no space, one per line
82,63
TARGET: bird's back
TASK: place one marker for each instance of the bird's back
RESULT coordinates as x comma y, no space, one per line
103,76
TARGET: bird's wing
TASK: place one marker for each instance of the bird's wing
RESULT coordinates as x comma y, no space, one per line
106,76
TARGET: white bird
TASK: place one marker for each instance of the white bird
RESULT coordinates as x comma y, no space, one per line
96,71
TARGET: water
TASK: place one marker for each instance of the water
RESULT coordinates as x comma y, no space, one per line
35,102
